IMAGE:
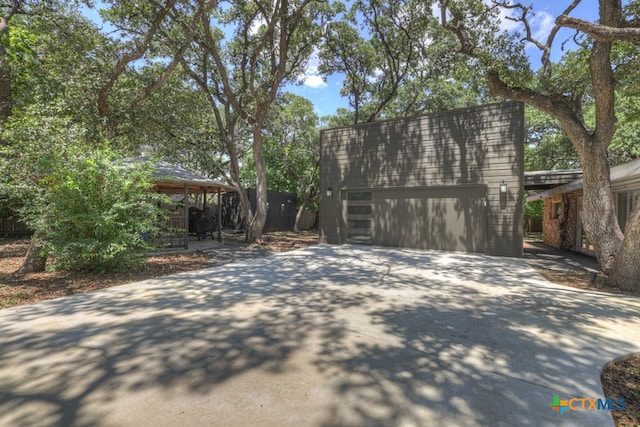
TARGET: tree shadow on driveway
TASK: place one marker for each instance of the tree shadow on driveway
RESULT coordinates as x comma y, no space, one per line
328,335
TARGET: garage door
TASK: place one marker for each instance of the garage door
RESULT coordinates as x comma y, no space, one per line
443,218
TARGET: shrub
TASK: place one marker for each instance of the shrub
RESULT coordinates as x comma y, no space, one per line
96,214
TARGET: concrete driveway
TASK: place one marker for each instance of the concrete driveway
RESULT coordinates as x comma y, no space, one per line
323,336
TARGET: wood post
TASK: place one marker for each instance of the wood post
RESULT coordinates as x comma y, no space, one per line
186,216
219,216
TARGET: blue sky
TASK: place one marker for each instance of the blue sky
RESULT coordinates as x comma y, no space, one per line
324,93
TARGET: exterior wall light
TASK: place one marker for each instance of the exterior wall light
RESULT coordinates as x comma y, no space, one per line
503,188
329,192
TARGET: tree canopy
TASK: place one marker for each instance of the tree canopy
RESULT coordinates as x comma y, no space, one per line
579,92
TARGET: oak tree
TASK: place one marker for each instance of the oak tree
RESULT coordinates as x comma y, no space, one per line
474,23
250,51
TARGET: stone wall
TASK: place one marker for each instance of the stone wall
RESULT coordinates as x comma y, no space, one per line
560,220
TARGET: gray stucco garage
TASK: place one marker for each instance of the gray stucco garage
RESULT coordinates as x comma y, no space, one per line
329,335
448,181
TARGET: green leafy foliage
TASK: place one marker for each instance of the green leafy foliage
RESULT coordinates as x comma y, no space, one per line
291,147
55,61
178,122
396,60
547,146
96,214
91,212
625,145
534,209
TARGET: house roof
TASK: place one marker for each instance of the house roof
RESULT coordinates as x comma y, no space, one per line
623,176
543,180
171,178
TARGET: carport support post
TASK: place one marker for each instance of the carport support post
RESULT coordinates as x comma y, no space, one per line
186,216
219,216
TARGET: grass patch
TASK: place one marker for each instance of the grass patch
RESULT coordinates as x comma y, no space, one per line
15,299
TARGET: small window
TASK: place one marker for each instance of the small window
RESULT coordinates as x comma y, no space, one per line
359,195
632,202
556,210
360,223
359,210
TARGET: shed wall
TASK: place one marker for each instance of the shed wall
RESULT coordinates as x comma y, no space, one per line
281,210
474,146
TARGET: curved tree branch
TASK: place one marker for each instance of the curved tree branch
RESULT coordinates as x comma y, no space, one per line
562,108
4,20
601,32
137,53
524,19
204,9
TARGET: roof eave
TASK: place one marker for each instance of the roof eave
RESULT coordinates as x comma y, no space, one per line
617,173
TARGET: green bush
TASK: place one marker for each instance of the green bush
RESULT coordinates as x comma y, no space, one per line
89,211
96,214
534,209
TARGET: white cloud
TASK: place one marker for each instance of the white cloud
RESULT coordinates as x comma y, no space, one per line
507,24
311,77
541,22
541,25
313,81
377,73
256,25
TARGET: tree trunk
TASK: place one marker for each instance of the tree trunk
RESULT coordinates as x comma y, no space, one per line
260,216
6,99
618,255
245,204
34,261
598,210
626,273
599,217
303,208
310,195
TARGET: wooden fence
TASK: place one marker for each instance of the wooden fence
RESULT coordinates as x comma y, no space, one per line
533,224
173,233
10,226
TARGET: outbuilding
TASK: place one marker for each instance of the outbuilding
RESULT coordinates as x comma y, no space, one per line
281,210
173,179
448,181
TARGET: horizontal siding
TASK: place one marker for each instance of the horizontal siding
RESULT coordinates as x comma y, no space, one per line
629,184
423,169
379,130
482,145
432,164
440,120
